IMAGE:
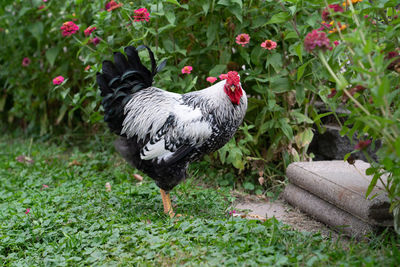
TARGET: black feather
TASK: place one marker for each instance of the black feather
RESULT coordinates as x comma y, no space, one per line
119,80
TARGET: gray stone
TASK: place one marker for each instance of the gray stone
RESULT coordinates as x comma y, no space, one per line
344,186
327,213
330,145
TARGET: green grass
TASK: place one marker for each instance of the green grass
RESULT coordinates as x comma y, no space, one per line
75,222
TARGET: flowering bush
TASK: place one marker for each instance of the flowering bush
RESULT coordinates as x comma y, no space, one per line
288,53
361,71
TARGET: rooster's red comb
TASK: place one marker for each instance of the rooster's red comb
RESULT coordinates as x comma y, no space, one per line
233,78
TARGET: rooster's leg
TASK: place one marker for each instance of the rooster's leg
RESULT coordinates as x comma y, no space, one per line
167,203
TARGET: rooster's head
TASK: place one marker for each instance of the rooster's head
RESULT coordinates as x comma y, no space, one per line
232,87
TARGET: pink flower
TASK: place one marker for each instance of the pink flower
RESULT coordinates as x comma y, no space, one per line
68,28
232,212
268,44
335,8
89,30
316,39
27,210
26,61
44,186
363,144
223,76
87,67
45,1
211,79
95,40
110,6
336,42
58,80
243,39
141,14
187,69
41,7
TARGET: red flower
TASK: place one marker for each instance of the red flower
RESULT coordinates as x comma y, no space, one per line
95,40
58,80
335,8
187,69
41,7
223,76
27,210
243,39
68,28
211,79
26,61
268,44
316,39
363,144
110,6
89,30
141,14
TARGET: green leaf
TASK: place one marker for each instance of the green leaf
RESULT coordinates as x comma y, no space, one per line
280,84
279,18
301,69
304,138
217,70
299,51
300,117
248,186
36,29
372,184
175,2
286,129
300,94
170,17
212,32
51,55
275,60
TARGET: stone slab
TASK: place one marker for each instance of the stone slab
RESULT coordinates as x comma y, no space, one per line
344,186
327,213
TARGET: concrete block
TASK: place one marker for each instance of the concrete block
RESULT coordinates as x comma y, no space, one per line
344,186
327,213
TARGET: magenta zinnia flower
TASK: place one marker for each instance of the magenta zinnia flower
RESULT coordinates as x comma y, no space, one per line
268,44
316,39
26,61
68,28
243,39
110,6
58,80
335,8
89,30
187,69
27,210
141,14
211,79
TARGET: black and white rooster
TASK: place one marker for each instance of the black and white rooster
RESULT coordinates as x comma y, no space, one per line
161,132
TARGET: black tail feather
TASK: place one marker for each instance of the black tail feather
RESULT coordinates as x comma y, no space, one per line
119,80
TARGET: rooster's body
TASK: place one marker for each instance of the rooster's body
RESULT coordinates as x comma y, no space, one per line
162,132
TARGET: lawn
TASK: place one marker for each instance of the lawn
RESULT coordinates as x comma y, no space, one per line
55,211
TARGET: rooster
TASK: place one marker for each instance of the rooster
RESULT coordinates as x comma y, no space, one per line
161,132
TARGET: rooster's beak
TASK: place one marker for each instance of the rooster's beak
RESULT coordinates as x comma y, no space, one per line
233,88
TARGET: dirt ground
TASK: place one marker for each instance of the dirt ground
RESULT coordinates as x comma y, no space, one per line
255,207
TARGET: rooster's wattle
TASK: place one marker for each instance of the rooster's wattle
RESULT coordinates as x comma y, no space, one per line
161,132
